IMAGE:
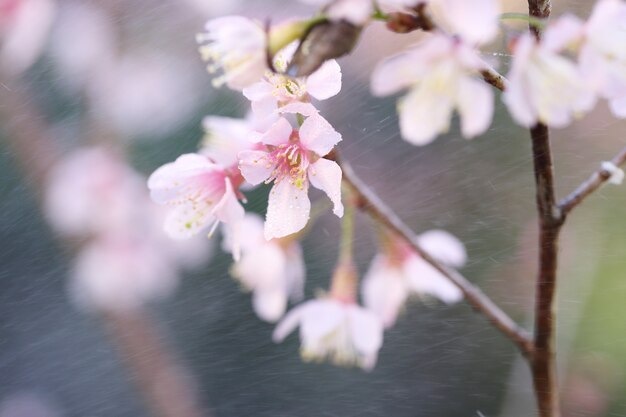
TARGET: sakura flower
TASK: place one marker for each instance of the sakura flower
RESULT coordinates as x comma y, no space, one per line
398,271
293,159
278,89
237,46
441,73
603,53
545,86
358,12
346,334
202,192
272,269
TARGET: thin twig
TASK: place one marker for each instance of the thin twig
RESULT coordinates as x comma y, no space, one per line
372,204
590,185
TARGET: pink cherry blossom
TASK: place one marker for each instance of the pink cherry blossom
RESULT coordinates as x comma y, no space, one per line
544,86
202,194
293,159
344,333
237,46
399,271
278,89
272,269
442,75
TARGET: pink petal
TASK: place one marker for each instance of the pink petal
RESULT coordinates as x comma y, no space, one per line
326,81
326,176
321,319
475,104
228,209
317,135
287,210
298,107
254,166
618,107
562,32
262,267
278,134
188,220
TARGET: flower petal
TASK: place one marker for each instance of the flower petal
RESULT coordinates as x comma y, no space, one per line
424,279
326,176
326,81
475,104
384,290
424,113
254,166
289,323
278,133
444,247
367,334
317,135
187,220
269,304
288,209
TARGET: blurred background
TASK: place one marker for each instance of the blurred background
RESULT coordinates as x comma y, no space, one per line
124,79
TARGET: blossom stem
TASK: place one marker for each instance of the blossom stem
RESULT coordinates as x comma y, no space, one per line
347,228
590,185
369,202
533,21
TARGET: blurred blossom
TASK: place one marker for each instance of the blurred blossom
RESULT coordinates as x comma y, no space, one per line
344,333
211,8
477,21
399,271
143,94
83,43
544,86
273,270
24,30
441,73
127,259
93,191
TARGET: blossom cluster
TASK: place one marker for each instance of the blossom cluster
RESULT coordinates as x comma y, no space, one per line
285,141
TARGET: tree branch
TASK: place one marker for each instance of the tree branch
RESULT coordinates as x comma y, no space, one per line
373,205
590,185
550,222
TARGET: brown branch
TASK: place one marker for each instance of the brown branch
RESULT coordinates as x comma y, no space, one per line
493,77
590,185
550,222
372,204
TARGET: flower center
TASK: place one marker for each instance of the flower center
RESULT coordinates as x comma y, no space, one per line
286,88
291,162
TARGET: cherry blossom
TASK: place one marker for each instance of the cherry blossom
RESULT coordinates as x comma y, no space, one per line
277,89
202,194
545,86
237,46
272,269
293,159
359,12
398,271
344,333
441,73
